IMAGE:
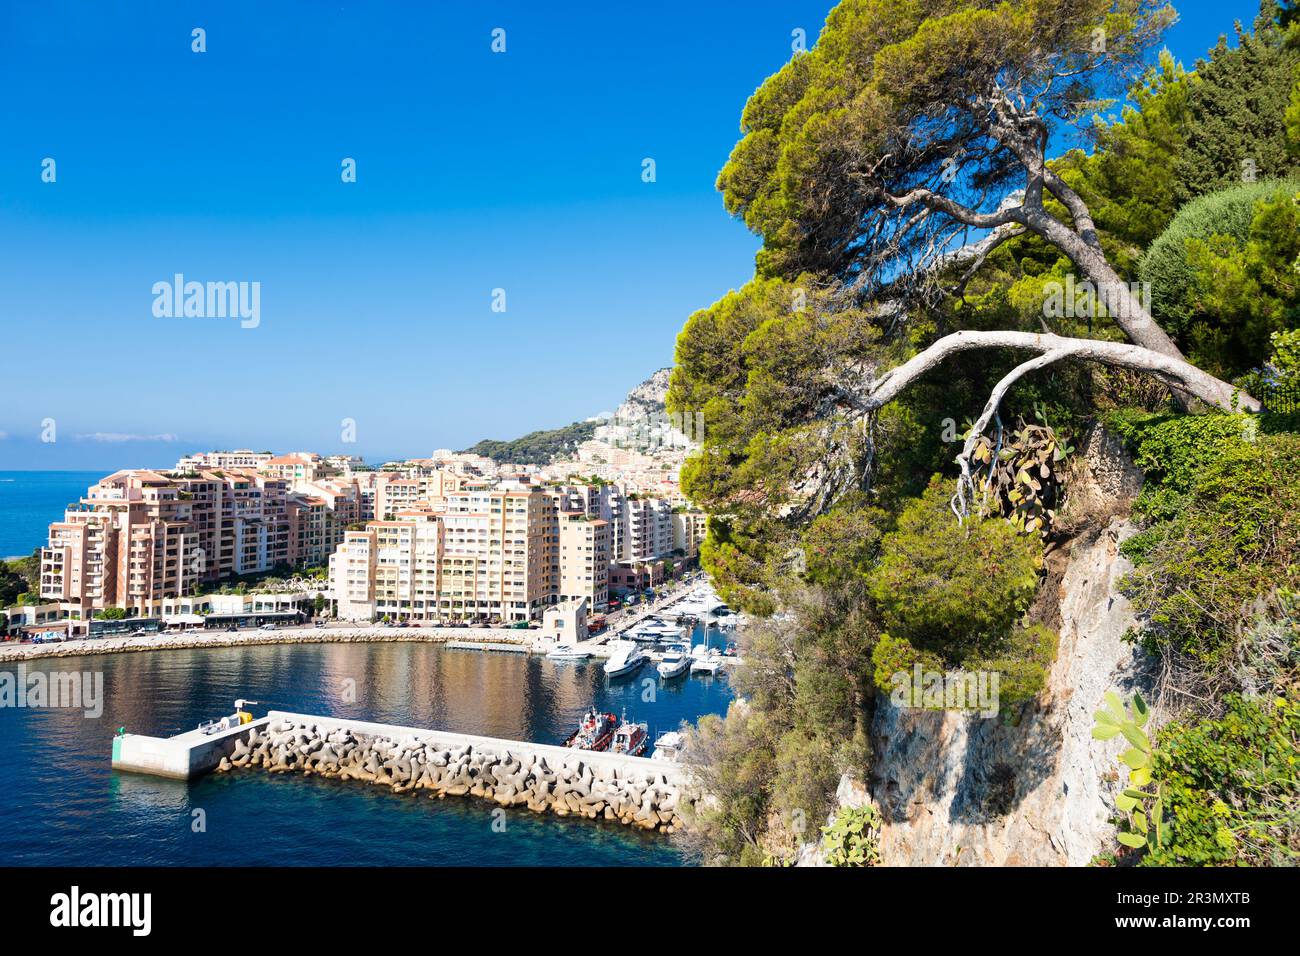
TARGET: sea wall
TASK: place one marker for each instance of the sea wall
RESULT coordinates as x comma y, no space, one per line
545,779
303,635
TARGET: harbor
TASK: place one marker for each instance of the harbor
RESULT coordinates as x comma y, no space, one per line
258,818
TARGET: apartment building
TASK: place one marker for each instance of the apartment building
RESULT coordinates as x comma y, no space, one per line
584,559
140,536
486,554
689,530
500,554
648,529
240,458
297,466
129,543
397,491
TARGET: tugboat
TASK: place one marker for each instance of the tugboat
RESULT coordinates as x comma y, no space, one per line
594,733
630,739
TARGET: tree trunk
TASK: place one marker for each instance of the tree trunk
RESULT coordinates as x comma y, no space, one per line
1125,308
1174,370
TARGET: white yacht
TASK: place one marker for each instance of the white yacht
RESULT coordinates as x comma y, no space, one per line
568,652
668,746
708,663
625,658
676,661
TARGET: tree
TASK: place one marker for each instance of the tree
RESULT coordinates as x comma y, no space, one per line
1128,180
1236,111
871,158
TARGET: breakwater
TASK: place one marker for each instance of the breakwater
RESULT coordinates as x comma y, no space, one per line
634,791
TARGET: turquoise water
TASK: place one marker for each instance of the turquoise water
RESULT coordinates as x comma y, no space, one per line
30,500
63,804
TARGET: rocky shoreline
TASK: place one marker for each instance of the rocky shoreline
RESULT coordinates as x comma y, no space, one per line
566,787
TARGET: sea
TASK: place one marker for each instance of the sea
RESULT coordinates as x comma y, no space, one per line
30,500
64,804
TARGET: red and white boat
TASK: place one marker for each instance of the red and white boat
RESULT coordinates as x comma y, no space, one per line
596,731
630,739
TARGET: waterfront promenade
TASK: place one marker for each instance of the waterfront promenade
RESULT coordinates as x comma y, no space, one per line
340,633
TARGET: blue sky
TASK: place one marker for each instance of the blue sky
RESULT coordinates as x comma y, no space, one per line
475,171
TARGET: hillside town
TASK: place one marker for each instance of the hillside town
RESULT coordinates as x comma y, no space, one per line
227,538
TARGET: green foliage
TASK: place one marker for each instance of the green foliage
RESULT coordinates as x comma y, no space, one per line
111,614
842,545
820,143
12,584
1246,292
1236,112
852,838
536,448
1176,292
896,655
1175,450
1143,808
1022,663
1230,543
1231,786
949,587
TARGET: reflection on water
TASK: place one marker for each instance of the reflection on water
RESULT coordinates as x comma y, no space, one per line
63,804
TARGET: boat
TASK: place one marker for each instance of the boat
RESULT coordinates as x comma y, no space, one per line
625,658
657,632
595,732
668,746
630,739
676,661
706,664
568,652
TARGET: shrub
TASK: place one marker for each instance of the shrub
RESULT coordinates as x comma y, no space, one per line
1233,542
1165,266
1022,664
853,837
1174,450
949,587
1231,786
896,655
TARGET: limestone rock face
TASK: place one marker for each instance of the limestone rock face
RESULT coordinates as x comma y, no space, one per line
961,790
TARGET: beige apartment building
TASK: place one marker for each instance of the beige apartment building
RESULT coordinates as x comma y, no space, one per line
689,530
487,554
129,543
139,537
585,544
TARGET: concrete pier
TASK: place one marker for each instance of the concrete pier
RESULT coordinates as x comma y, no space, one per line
542,777
183,757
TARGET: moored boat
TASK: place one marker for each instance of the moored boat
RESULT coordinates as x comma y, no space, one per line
630,738
676,661
596,731
709,663
668,746
568,652
625,658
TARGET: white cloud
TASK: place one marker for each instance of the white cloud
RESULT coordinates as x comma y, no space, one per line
119,437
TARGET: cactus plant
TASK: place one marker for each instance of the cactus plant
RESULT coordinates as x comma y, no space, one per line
1143,808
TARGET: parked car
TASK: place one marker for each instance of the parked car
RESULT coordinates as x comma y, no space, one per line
267,627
